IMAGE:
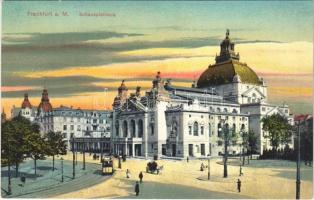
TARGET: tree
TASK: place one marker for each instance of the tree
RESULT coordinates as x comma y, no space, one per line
35,145
279,130
249,142
306,142
229,135
55,145
15,130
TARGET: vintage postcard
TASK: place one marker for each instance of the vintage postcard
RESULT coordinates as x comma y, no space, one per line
157,99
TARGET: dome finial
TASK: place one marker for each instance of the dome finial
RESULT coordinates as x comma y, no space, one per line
227,33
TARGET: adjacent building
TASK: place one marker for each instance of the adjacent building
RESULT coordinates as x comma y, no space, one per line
93,125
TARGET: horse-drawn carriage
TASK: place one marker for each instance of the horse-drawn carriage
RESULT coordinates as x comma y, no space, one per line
152,167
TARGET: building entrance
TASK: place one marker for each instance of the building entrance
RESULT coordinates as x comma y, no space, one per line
138,149
190,149
174,149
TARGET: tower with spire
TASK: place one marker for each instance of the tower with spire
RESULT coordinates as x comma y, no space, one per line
227,50
3,116
27,110
44,105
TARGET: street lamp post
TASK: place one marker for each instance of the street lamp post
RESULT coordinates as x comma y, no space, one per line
61,169
225,132
101,147
9,176
84,153
73,151
298,182
119,163
208,168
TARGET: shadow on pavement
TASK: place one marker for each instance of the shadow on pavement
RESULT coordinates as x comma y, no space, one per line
153,190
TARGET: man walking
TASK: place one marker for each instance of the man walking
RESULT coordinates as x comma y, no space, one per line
137,188
127,173
141,177
241,173
239,185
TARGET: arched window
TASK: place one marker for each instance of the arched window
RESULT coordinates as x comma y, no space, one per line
117,128
225,110
140,128
242,127
195,129
233,129
227,128
125,129
218,110
152,130
133,128
209,130
254,95
234,111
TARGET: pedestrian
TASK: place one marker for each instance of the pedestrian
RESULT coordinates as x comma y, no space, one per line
202,167
241,173
137,188
141,177
239,185
127,173
23,180
187,159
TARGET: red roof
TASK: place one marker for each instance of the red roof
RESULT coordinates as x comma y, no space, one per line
302,117
26,103
45,104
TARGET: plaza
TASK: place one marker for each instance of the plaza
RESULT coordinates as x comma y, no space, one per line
179,179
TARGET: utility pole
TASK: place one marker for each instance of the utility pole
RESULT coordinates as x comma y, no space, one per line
298,182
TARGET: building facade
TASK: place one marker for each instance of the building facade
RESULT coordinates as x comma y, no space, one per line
180,121
93,125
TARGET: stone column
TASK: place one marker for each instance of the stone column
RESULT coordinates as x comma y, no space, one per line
145,136
126,147
133,149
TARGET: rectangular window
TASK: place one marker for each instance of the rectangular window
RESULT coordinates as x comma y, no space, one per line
219,143
190,130
203,149
72,127
202,130
101,121
152,129
263,109
94,121
79,127
64,127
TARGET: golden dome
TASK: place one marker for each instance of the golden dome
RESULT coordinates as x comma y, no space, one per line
224,72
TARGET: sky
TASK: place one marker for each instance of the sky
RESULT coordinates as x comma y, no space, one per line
81,60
